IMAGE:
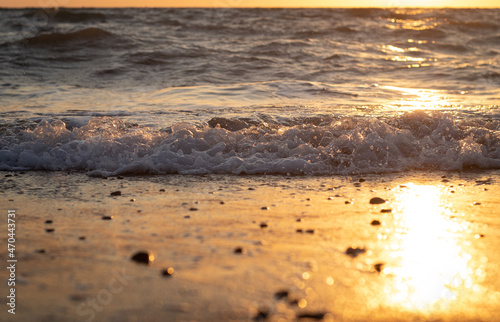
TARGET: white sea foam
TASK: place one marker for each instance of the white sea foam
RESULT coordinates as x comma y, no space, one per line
318,146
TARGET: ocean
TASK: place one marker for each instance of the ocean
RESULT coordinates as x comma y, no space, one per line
249,91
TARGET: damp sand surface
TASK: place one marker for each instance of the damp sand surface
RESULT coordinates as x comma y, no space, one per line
241,248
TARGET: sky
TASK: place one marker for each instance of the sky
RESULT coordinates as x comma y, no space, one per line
251,3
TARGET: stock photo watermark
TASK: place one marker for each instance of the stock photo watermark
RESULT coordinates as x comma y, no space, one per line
93,305
11,260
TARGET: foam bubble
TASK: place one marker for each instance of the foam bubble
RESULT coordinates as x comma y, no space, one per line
346,145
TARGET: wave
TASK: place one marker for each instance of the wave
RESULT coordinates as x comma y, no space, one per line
90,37
320,145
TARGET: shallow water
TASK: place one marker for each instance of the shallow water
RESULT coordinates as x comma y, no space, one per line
295,91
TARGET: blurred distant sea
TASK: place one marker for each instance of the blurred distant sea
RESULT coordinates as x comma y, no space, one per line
249,91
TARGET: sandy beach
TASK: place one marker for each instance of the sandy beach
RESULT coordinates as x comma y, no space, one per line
245,248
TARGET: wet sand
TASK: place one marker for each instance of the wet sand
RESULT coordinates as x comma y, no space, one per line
246,248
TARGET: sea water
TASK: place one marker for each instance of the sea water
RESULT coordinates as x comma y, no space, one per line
249,91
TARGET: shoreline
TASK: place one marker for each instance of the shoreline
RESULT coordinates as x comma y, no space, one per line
249,247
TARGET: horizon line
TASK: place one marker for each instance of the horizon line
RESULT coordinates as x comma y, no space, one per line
242,7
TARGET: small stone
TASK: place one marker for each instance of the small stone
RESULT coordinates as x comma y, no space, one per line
362,180
82,238
347,202
355,252
310,231
264,208
49,230
142,257
162,190
330,198
132,199
239,250
193,209
221,202
107,217
311,315
378,267
48,221
445,180
385,211
299,220
375,223
300,231
376,201
263,225
116,193
187,216
280,295
357,184
40,251
251,188
168,272
476,203
261,315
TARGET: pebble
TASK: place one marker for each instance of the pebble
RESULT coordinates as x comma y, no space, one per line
311,315
40,251
310,231
378,267
193,209
142,258
280,295
376,201
299,220
299,231
347,202
82,237
445,180
48,221
385,211
354,252
132,199
187,216
251,188
49,230
221,202
261,315
264,208
168,272
375,223
263,225
162,190
116,193
239,250
476,203
362,180
107,217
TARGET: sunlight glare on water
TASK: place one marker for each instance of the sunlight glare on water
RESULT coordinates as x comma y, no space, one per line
417,98
433,267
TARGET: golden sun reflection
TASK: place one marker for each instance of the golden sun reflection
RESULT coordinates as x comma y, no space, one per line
418,98
432,267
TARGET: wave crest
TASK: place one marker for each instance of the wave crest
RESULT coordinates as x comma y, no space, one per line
322,145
